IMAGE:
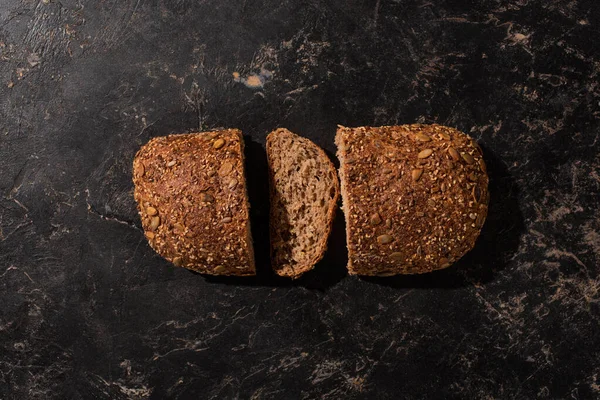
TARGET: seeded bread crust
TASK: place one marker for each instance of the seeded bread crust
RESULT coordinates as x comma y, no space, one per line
191,195
325,214
415,197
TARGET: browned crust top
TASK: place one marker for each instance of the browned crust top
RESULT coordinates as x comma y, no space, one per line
415,197
191,195
321,245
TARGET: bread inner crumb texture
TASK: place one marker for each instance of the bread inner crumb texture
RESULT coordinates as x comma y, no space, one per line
303,189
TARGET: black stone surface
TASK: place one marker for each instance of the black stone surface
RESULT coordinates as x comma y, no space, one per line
88,311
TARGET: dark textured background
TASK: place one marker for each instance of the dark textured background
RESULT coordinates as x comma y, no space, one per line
87,310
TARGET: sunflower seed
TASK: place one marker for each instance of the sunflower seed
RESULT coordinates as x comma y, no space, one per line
396,256
171,163
419,251
218,143
178,226
151,211
384,239
468,158
232,184
453,153
150,235
226,220
425,153
388,223
444,136
416,174
178,261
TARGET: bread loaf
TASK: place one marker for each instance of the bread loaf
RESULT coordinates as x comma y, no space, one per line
304,191
414,196
191,196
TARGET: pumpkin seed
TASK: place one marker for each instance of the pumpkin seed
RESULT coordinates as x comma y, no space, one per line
482,165
375,219
443,262
416,174
219,143
226,168
480,220
476,193
219,269
425,153
206,198
154,223
453,153
468,158
384,239
422,137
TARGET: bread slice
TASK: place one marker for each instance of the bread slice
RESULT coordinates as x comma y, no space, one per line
304,192
415,197
191,195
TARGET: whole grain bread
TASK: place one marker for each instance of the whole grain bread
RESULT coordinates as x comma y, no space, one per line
304,192
415,197
191,195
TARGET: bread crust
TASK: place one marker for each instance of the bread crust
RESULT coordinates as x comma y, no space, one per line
191,195
414,196
296,271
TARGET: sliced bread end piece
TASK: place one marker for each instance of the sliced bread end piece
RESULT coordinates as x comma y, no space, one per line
415,197
304,191
192,200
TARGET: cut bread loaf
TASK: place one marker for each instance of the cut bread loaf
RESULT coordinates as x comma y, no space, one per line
415,197
304,191
191,195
